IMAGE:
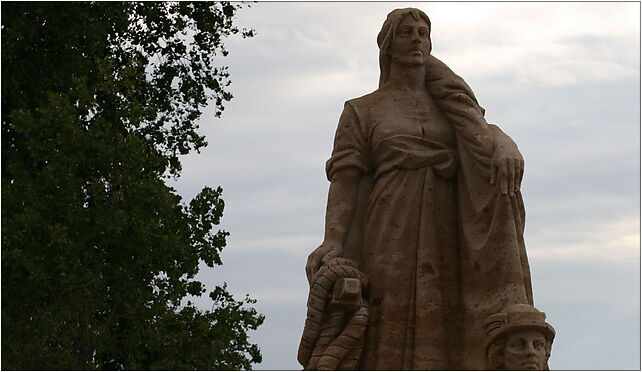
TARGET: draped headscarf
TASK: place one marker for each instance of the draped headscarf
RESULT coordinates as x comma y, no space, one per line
388,33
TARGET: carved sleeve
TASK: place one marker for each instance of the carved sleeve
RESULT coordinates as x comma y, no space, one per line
351,148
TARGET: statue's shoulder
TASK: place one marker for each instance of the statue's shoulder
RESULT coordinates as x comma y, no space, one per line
364,103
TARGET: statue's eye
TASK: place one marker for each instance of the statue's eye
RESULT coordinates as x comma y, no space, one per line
539,345
423,32
517,345
404,31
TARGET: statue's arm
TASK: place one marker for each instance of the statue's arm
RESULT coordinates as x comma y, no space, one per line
342,202
507,163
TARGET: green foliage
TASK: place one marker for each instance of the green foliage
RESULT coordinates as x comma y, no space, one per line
99,100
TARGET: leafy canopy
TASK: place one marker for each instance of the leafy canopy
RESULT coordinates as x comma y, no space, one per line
99,100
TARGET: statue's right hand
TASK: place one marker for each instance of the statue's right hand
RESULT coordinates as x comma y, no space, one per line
319,256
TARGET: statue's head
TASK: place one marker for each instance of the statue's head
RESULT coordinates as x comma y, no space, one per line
518,338
405,39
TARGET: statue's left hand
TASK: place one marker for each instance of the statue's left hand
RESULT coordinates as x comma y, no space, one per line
324,253
506,166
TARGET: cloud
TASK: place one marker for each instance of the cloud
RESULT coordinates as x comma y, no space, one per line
588,302
568,44
617,241
560,64
294,244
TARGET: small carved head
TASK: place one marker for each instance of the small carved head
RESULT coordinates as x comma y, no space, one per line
404,38
518,338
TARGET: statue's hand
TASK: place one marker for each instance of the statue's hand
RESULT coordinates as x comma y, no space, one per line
321,255
506,166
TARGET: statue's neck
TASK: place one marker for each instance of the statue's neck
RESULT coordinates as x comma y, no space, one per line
405,77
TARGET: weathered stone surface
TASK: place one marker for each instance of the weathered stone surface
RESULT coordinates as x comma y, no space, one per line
333,335
518,338
425,199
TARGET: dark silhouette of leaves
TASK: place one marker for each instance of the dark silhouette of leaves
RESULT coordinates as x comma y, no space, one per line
99,99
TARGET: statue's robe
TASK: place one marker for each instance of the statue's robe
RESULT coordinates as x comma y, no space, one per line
443,248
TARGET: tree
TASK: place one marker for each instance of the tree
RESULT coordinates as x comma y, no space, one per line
99,100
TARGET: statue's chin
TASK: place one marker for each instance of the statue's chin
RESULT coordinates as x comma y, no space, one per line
411,61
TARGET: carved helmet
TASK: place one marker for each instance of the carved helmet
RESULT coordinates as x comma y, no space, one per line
515,318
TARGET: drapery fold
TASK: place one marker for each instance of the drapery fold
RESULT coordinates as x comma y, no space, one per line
490,267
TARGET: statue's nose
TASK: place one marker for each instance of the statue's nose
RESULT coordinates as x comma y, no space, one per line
530,349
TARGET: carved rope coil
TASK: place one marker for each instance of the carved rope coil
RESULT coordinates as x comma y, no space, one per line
332,339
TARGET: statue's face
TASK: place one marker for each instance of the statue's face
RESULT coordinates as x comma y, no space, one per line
525,350
411,45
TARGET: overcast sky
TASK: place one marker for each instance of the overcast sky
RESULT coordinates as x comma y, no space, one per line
562,79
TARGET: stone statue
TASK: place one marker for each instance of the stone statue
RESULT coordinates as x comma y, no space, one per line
424,203
519,339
